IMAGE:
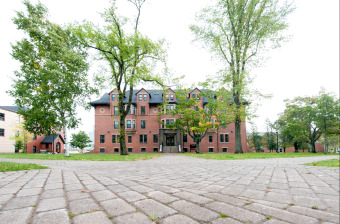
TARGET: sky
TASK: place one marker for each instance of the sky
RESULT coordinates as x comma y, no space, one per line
301,67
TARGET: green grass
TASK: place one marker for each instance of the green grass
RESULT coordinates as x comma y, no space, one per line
330,163
9,166
89,157
251,155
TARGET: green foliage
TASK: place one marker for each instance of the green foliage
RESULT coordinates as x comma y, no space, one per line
194,119
236,32
223,215
80,140
10,166
329,163
52,79
255,140
131,56
21,137
270,138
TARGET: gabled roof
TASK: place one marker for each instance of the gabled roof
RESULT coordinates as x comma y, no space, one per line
194,89
52,138
144,90
104,100
11,108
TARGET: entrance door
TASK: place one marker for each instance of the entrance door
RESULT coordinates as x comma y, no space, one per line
170,140
34,149
58,147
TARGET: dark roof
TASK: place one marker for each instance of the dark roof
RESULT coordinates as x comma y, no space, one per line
156,97
11,108
52,138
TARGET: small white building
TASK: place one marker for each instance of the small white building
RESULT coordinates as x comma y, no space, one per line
9,119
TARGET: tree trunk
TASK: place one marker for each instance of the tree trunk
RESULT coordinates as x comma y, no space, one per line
284,149
122,142
313,147
238,142
197,141
67,154
325,147
296,147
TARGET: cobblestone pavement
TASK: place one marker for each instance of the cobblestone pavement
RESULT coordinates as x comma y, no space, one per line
171,189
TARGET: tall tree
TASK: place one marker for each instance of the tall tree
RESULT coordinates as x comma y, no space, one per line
269,137
193,118
131,56
236,31
256,140
285,137
80,140
52,79
327,115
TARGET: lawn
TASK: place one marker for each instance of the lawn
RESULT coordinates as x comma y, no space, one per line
89,157
9,166
330,163
229,156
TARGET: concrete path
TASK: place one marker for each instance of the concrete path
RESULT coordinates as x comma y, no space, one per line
171,189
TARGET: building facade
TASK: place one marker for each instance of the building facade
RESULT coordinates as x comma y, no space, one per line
144,132
9,121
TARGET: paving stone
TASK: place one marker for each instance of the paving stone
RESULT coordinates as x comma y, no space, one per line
51,204
72,187
325,190
279,198
253,194
95,187
275,221
55,193
225,221
226,199
142,189
77,194
154,208
325,216
233,190
29,192
236,212
53,186
52,217
162,197
16,216
133,218
4,198
131,196
309,202
22,202
280,214
177,219
88,182
103,195
116,207
118,188
193,197
194,211
83,206
92,217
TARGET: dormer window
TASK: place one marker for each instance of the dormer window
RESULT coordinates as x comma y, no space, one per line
114,97
171,97
140,97
145,97
167,96
193,95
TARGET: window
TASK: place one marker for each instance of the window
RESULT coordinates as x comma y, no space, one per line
102,138
128,124
140,96
196,108
34,149
102,150
145,97
170,107
169,121
142,124
224,126
167,96
143,138
115,125
210,138
2,116
185,138
185,149
35,137
46,146
155,149
224,149
129,149
224,137
133,110
114,97
114,139
143,150
129,139
193,95
116,150
171,96
211,149
118,138
115,110
155,138
2,132
134,124
142,110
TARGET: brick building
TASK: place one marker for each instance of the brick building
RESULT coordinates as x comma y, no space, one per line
9,120
143,131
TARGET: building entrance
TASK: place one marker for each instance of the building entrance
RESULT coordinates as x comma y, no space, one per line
170,140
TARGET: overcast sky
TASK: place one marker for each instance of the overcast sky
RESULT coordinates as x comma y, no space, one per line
299,68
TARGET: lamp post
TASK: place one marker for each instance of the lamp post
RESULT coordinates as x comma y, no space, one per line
277,142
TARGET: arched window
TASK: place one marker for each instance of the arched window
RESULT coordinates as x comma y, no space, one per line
58,147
